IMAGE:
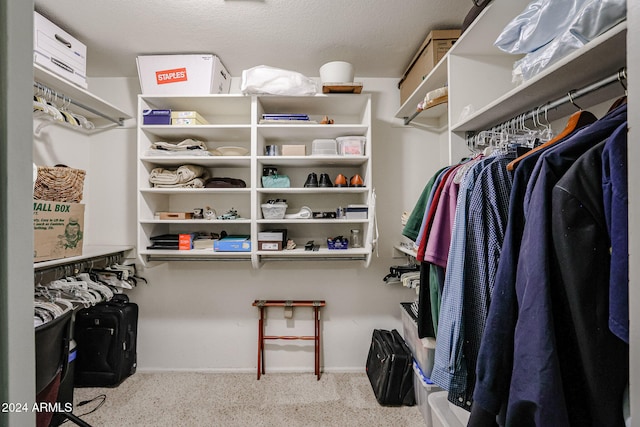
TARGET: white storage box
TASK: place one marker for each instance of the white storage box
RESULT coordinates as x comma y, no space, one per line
423,349
351,145
442,414
274,210
324,147
201,74
422,388
356,212
59,52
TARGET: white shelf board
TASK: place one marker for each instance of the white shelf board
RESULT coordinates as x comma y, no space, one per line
203,254
308,132
436,79
312,221
82,96
229,133
218,161
88,251
307,161
576,70
406,251
318,105
209,106
323,252
318,190
195,221
194,190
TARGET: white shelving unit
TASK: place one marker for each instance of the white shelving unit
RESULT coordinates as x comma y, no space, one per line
235,120
479,79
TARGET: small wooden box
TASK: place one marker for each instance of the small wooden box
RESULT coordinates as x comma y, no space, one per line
175,215
294,150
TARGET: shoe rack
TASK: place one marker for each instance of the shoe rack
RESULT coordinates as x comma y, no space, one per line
234,121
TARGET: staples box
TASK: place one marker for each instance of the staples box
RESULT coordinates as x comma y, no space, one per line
59,52
200,74
57,230
156,117
434,47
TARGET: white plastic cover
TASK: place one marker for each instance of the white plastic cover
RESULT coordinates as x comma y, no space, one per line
544,43
275,81
545,20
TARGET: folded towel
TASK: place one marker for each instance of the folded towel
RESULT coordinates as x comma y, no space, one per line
182,174
194,183
187,144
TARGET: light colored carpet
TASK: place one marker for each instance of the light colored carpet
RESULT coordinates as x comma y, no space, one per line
228,400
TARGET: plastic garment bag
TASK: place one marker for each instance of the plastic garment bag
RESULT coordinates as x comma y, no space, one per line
592,19
543,21
275,81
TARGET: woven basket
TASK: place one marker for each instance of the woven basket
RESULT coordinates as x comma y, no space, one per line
59,184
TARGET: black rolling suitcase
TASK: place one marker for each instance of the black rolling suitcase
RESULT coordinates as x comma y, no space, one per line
106,343
390,369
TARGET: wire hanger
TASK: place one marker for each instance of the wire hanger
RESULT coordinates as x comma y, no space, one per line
569,94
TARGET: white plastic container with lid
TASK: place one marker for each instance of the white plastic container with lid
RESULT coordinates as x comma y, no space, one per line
324,147
351,145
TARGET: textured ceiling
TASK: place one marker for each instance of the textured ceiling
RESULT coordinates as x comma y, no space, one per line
379,37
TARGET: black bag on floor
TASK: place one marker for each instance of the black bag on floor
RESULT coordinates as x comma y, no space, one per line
390,369
105,335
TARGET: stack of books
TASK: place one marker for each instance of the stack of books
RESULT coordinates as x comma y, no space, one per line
286,119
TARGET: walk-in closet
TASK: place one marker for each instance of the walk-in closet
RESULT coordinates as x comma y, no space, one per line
239,213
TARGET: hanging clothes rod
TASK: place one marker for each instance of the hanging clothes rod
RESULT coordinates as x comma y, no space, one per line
40,86
570,97
49,274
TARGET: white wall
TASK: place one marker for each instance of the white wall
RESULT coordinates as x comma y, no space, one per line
198,315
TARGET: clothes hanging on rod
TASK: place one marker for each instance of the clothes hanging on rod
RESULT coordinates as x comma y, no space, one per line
531,326
487,261
49,95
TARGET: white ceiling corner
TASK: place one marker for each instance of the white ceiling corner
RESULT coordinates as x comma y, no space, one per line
379,37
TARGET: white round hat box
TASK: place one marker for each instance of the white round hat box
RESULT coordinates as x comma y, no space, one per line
337,72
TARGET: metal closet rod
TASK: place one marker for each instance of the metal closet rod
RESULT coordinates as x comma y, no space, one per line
570,97
49,274
40,86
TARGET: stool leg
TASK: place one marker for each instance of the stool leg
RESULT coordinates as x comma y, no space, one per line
261,342
317,341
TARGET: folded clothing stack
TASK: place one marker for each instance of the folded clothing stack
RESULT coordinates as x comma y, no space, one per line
187,147
185,176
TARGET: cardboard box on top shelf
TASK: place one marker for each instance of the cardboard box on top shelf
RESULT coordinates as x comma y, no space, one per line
199,74
432,50
58,51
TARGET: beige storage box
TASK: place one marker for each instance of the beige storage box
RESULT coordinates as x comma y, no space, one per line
199,74
294,150
58,51
57,230
432,50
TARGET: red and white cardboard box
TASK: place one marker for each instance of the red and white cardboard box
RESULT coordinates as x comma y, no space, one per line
198,74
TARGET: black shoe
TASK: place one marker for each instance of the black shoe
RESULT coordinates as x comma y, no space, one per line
312,180
325,181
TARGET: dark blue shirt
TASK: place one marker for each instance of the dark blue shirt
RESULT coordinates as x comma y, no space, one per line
615,196
536,393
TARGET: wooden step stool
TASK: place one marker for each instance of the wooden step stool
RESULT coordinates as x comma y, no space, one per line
263,304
